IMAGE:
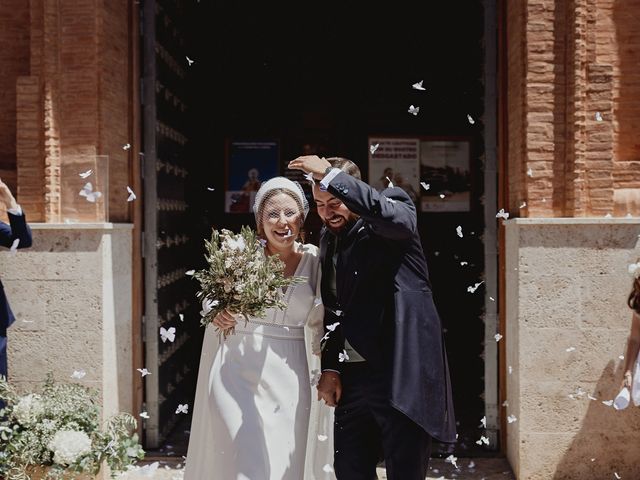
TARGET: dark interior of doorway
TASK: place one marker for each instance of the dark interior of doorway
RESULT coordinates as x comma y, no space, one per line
320,78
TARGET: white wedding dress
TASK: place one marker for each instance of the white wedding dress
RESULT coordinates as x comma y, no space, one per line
256,415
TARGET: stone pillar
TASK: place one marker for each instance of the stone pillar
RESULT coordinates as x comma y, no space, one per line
566,326
71,294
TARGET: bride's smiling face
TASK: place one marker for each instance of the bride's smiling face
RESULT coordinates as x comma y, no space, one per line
281,221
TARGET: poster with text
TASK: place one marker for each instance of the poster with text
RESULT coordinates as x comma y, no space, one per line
249,163
396,160
446,176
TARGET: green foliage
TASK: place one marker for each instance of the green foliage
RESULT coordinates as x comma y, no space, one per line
60,428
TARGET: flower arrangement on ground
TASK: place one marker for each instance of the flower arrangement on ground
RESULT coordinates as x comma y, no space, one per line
59,429
241,277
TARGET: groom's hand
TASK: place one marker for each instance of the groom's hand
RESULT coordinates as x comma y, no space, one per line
330,388
312,164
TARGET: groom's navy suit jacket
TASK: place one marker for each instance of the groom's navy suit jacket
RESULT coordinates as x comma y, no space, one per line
384,303
17,228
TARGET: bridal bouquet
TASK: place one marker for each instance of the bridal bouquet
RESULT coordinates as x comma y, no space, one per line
240,277
58,430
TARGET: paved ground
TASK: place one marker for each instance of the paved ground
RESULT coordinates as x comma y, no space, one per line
468,469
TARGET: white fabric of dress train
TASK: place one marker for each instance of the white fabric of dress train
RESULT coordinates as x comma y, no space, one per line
256,414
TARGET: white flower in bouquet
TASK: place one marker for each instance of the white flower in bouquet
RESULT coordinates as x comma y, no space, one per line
29,409
68,446
241,278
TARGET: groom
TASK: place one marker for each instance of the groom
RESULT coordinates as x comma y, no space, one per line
384,365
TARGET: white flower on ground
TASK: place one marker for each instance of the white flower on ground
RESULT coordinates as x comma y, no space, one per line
29,409
68,446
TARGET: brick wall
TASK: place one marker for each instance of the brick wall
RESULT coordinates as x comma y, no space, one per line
73,102
14,62
113,44
574,107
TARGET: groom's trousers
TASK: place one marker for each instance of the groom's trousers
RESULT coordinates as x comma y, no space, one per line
367,429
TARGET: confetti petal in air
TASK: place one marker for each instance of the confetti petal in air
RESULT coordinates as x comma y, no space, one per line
473,288
333,326
598,117
327,468
343,356
510,369
322,438
86,174
189,272
502,214
498,337
414,110
620,357
418,85
183,408
482,440
459,231
132,196
464,263
126,146
373,148
211,189
309,177
189,61
442,195
523,204
452,460
181,315
425,185
529,172
78,374
483,422
143,371
144,415
512,418
492,299
169,334
470,119
14,245
390,182
89,194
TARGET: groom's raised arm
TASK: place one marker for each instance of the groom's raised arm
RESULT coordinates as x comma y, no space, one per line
391,213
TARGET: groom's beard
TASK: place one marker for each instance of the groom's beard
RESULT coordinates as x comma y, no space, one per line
344,227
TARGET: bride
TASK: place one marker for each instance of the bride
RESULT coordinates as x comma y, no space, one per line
254,418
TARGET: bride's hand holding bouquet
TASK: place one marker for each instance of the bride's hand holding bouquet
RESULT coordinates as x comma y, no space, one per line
241,280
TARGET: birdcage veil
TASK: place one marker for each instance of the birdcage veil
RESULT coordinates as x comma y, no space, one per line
274,187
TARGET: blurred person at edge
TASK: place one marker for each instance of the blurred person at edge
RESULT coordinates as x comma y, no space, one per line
633,343
16,230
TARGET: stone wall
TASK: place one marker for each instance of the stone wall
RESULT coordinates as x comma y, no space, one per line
567,324
71,295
